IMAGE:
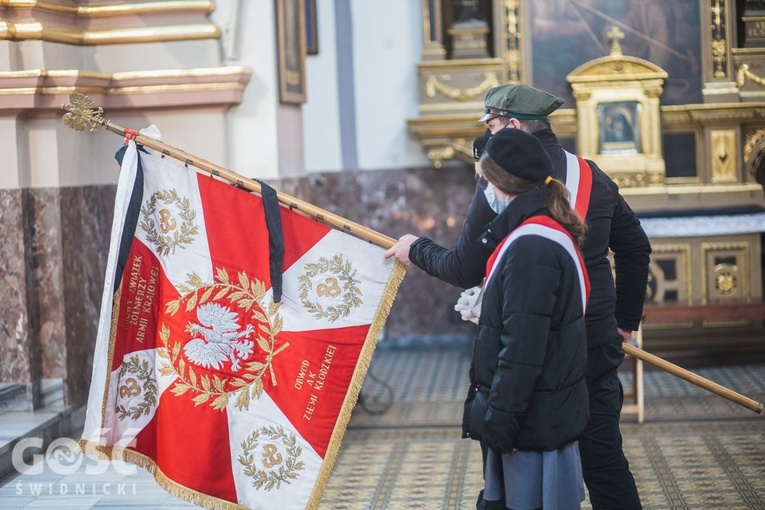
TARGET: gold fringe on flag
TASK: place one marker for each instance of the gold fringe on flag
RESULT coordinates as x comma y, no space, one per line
362,365
173,488
81,114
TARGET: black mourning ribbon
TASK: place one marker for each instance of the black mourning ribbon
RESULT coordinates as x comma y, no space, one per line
275,238
273,225
131,216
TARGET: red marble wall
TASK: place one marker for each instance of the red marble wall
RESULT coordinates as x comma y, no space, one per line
425,202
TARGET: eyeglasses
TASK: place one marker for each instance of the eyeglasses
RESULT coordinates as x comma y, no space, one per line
491,113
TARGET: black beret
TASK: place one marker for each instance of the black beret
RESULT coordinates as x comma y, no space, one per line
520,154
521,101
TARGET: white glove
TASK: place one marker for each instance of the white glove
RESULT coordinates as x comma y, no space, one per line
469,304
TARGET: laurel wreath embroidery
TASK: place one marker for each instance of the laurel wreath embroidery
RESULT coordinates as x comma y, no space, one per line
262,479
245,295
143,372
166,244
345,273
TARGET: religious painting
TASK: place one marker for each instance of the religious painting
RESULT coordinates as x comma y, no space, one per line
290,32
619,128
311,33
664,32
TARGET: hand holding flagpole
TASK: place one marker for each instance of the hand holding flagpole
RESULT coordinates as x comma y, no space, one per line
82,113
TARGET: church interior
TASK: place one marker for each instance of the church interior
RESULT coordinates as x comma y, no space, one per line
369,110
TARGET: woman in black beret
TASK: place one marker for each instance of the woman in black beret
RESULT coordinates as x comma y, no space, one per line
528,401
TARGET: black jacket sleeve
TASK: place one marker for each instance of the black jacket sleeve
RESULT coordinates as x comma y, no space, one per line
632,251
465,264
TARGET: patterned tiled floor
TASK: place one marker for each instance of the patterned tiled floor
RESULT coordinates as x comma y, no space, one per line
403,450
695,451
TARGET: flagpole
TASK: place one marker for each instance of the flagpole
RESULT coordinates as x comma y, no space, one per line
682,373
82,113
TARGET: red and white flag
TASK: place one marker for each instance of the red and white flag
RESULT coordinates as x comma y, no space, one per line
230,399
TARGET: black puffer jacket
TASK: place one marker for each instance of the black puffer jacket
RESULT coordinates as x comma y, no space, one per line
611,224
530,351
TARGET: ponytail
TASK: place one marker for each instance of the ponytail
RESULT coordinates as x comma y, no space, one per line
561,211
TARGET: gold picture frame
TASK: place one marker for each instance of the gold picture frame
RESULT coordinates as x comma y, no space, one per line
291,43
311,28
619,127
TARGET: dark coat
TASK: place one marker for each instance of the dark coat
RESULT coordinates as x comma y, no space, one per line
465,264
530,350
611,224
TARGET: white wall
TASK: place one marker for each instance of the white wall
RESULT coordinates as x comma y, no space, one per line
253,136
321,113
387,46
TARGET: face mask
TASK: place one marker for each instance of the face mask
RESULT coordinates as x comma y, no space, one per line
496,205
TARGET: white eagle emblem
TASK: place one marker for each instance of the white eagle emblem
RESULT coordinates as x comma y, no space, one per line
222,338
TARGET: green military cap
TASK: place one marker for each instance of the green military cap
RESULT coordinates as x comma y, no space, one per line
519,101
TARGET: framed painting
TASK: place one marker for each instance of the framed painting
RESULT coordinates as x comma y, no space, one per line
619,127
290,33
311,33
665,32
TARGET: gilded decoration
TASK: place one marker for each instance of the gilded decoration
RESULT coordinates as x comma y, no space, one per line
669,273
333,286
277,452
433,47
116,23
726,275
618,121
513,57
438,155
725,280
434,83
82,113
636,180
724,158
753,139
754,155
719,45
232,342
125,90
669,280
744,72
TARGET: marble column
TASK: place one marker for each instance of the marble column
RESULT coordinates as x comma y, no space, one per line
20,352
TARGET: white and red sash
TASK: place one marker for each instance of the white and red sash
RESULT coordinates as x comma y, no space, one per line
578,184
543,226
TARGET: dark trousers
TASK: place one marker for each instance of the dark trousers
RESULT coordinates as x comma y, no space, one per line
605,468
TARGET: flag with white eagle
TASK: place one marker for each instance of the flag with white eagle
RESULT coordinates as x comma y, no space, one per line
227,364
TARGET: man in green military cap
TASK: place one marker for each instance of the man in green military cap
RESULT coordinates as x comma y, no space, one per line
614,309
519,102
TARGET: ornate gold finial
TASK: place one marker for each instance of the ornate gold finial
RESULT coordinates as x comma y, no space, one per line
82,113
615,36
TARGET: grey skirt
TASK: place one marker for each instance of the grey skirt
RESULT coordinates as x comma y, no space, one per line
532,480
